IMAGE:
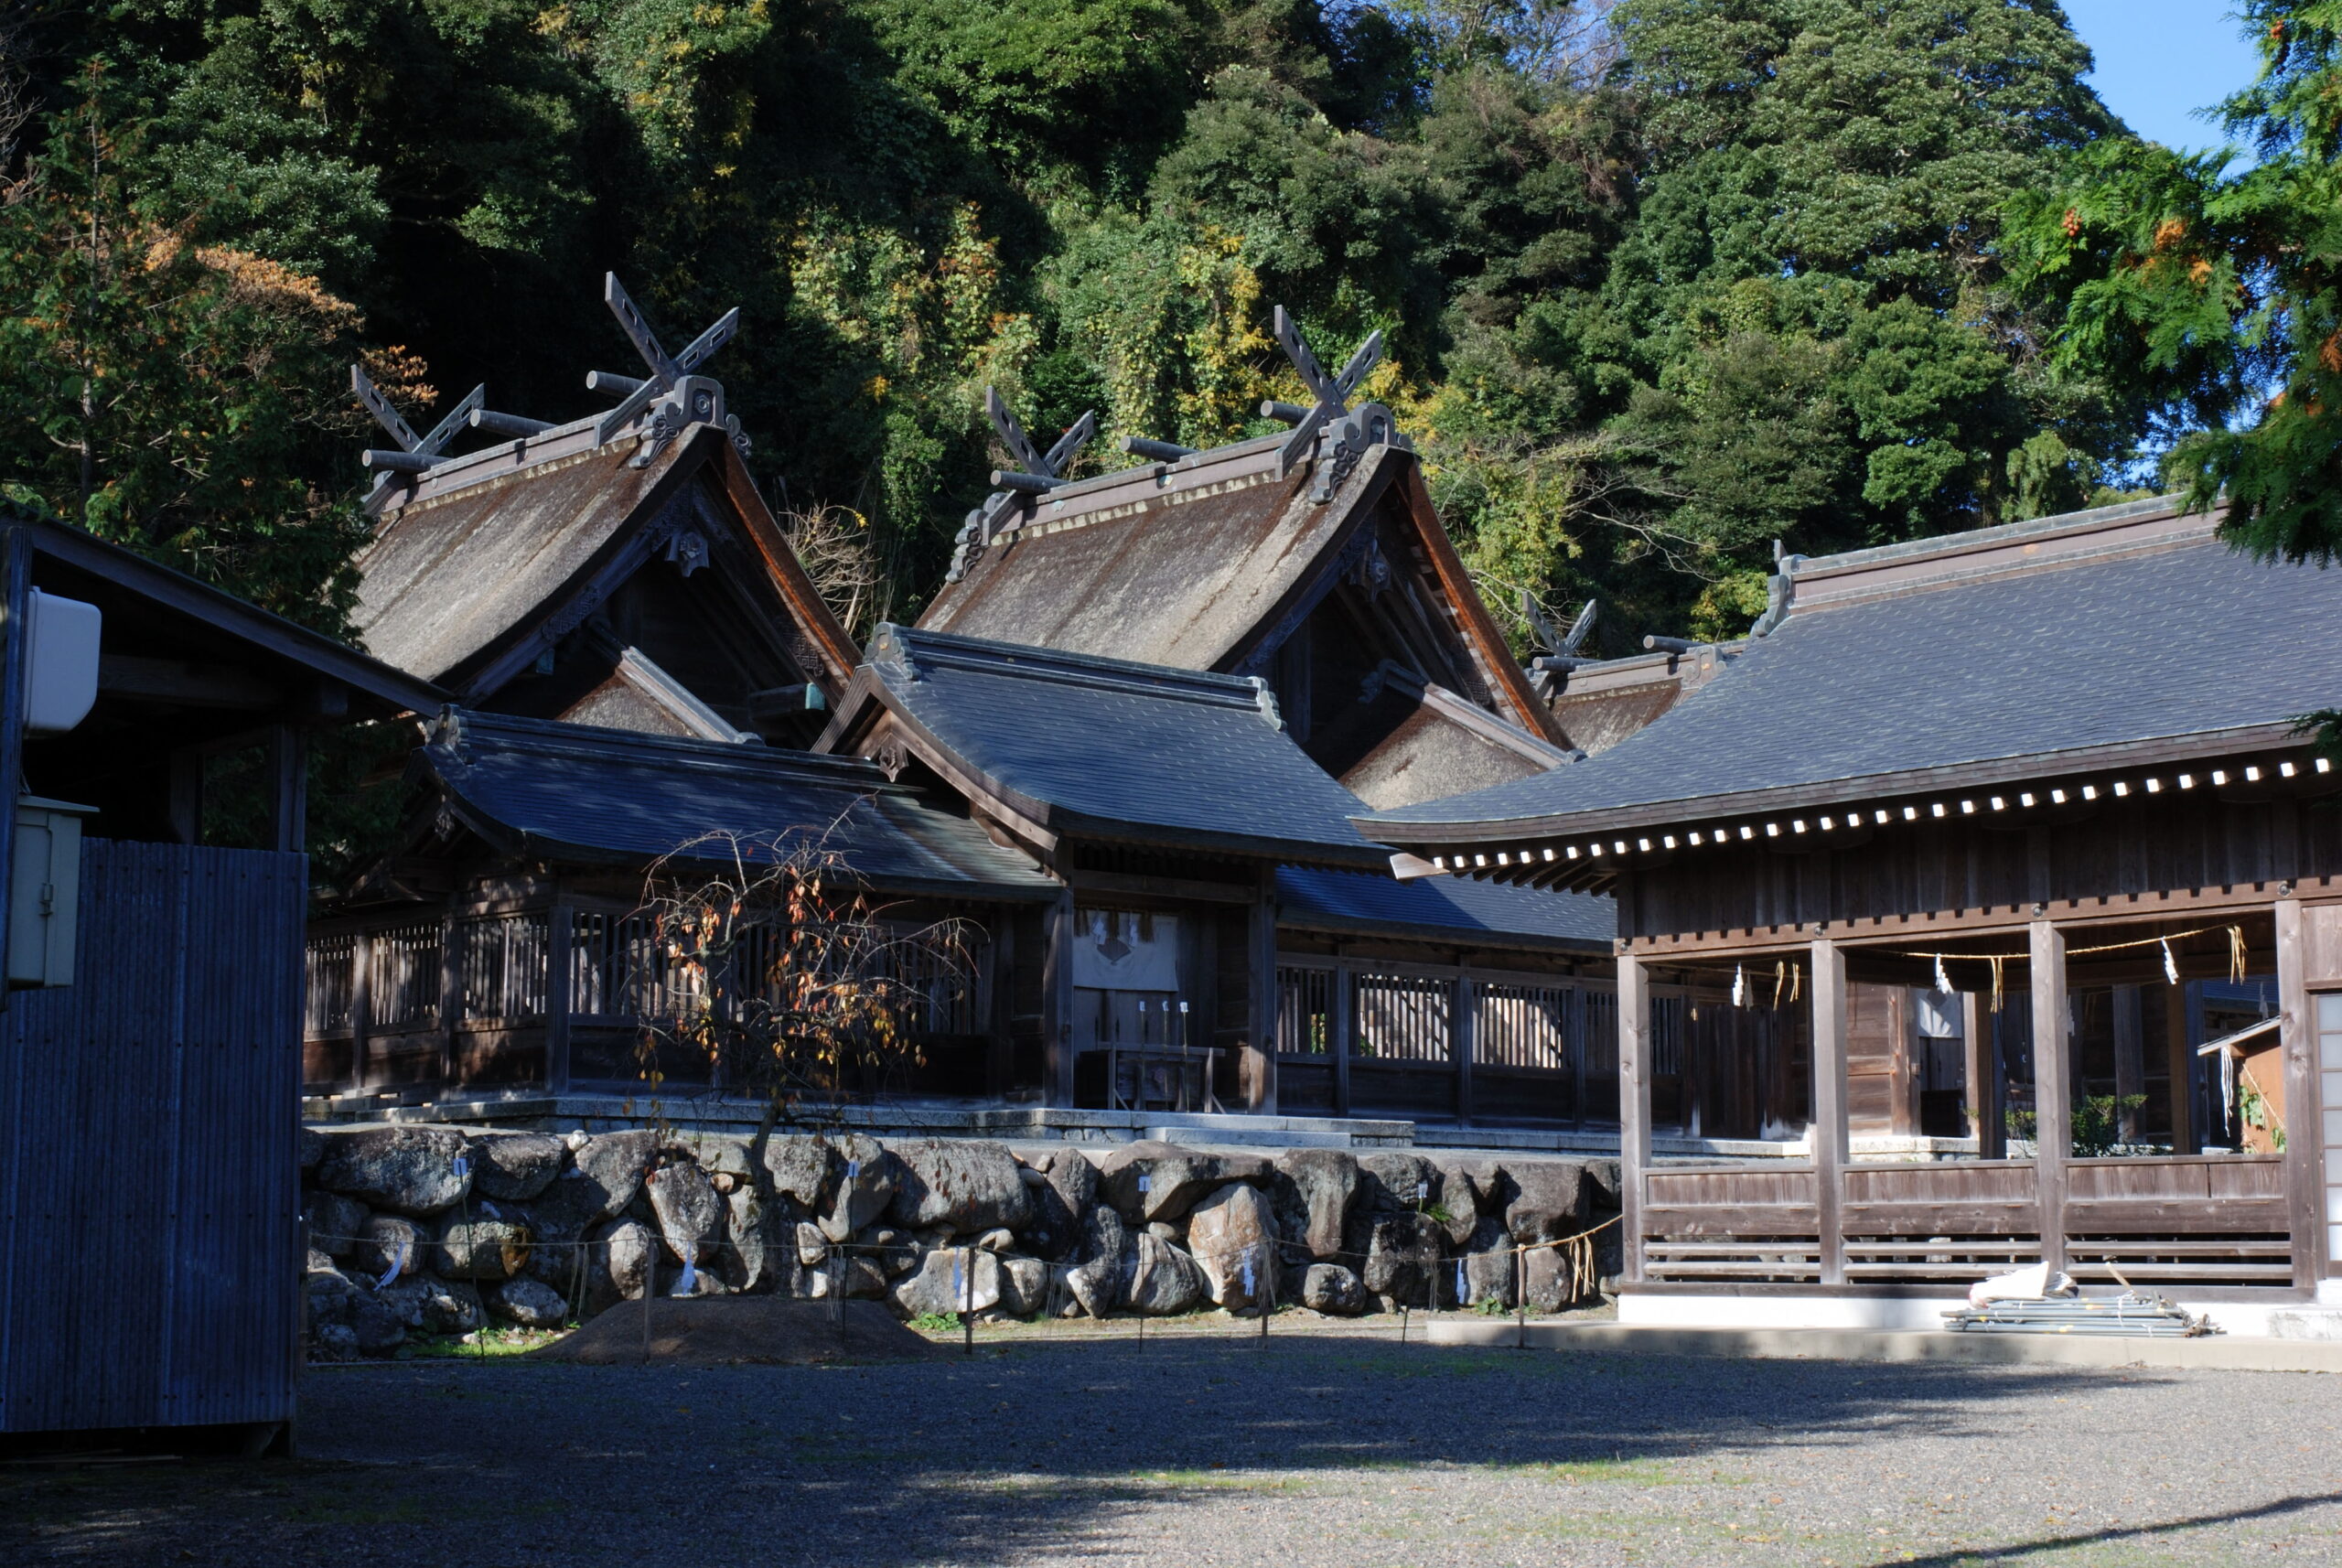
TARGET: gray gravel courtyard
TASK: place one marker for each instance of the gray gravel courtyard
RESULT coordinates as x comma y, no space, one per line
1318,1449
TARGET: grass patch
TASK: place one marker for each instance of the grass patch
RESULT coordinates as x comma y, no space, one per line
484,1344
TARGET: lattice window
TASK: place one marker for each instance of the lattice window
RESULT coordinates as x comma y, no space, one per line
402,977
503,960
1600,1041
1669,1015
1521,1025
1403,1017
1304,1011
330,967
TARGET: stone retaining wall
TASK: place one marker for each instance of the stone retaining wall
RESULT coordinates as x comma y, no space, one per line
435,1229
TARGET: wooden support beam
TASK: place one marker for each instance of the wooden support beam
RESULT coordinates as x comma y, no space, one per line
1259,1075
2052,1091
1056,1001
1000,1010
1829,1138
1988,1079
2304,1183
2129,1062
187,684
560,936
362,1006
1634,1108
1463,1038
187,795
2187,1128
287,754
1340,1028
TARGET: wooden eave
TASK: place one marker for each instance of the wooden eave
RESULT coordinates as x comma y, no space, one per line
388,690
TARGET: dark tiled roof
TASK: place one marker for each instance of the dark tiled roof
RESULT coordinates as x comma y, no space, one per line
1431,908
1105,749
575,792
2036,669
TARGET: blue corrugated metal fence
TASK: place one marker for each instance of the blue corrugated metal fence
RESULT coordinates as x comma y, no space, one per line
149,1183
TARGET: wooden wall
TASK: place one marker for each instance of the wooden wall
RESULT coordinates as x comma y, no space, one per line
2117,857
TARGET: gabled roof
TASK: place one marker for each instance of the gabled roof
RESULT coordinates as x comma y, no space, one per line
1444,908
499,551
1205,561
1105,749
564,791
2122,636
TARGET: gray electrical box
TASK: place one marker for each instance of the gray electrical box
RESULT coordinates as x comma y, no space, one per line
45,892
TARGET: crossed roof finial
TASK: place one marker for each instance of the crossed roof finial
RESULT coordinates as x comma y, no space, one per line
1332,392
667,374
1037,474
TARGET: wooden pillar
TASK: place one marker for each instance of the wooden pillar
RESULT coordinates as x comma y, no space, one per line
186,805
1056,1001
1634,1108
287,754
451,997
561,929
1000,1005
2129,1062
1833,1145
362,1003
2304,1186
1633,1105
1338,1029
2186,1133
1987,1081
1259,1075
1464,1038
2053,1126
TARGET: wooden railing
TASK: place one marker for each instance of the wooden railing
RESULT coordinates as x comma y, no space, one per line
2200,1220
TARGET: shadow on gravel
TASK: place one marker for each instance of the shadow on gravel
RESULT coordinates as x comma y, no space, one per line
2021,1550
1015,1451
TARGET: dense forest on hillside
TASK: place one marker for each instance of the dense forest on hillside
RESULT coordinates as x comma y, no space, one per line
1663,282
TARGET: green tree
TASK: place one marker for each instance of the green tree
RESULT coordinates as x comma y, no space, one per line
2217,292
177,398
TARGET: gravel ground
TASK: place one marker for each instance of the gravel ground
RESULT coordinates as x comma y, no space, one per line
1320,1448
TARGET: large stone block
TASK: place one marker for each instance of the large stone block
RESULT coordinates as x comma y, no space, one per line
1150,1181
514,1167
407,1170
1096,1282
1163,1279
1231,1236
1489,1267
1334,1290
1314,1189
529,1303
1024,1286
966,1185
1402,1258
334,1222
950,1279
387,1239
610,1168
1549,1199
487,1243
1061,1197
864,1186
689,1209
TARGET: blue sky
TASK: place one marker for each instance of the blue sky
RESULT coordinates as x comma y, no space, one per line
2158,59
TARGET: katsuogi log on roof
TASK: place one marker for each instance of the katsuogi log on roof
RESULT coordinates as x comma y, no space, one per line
523,575
1312,558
